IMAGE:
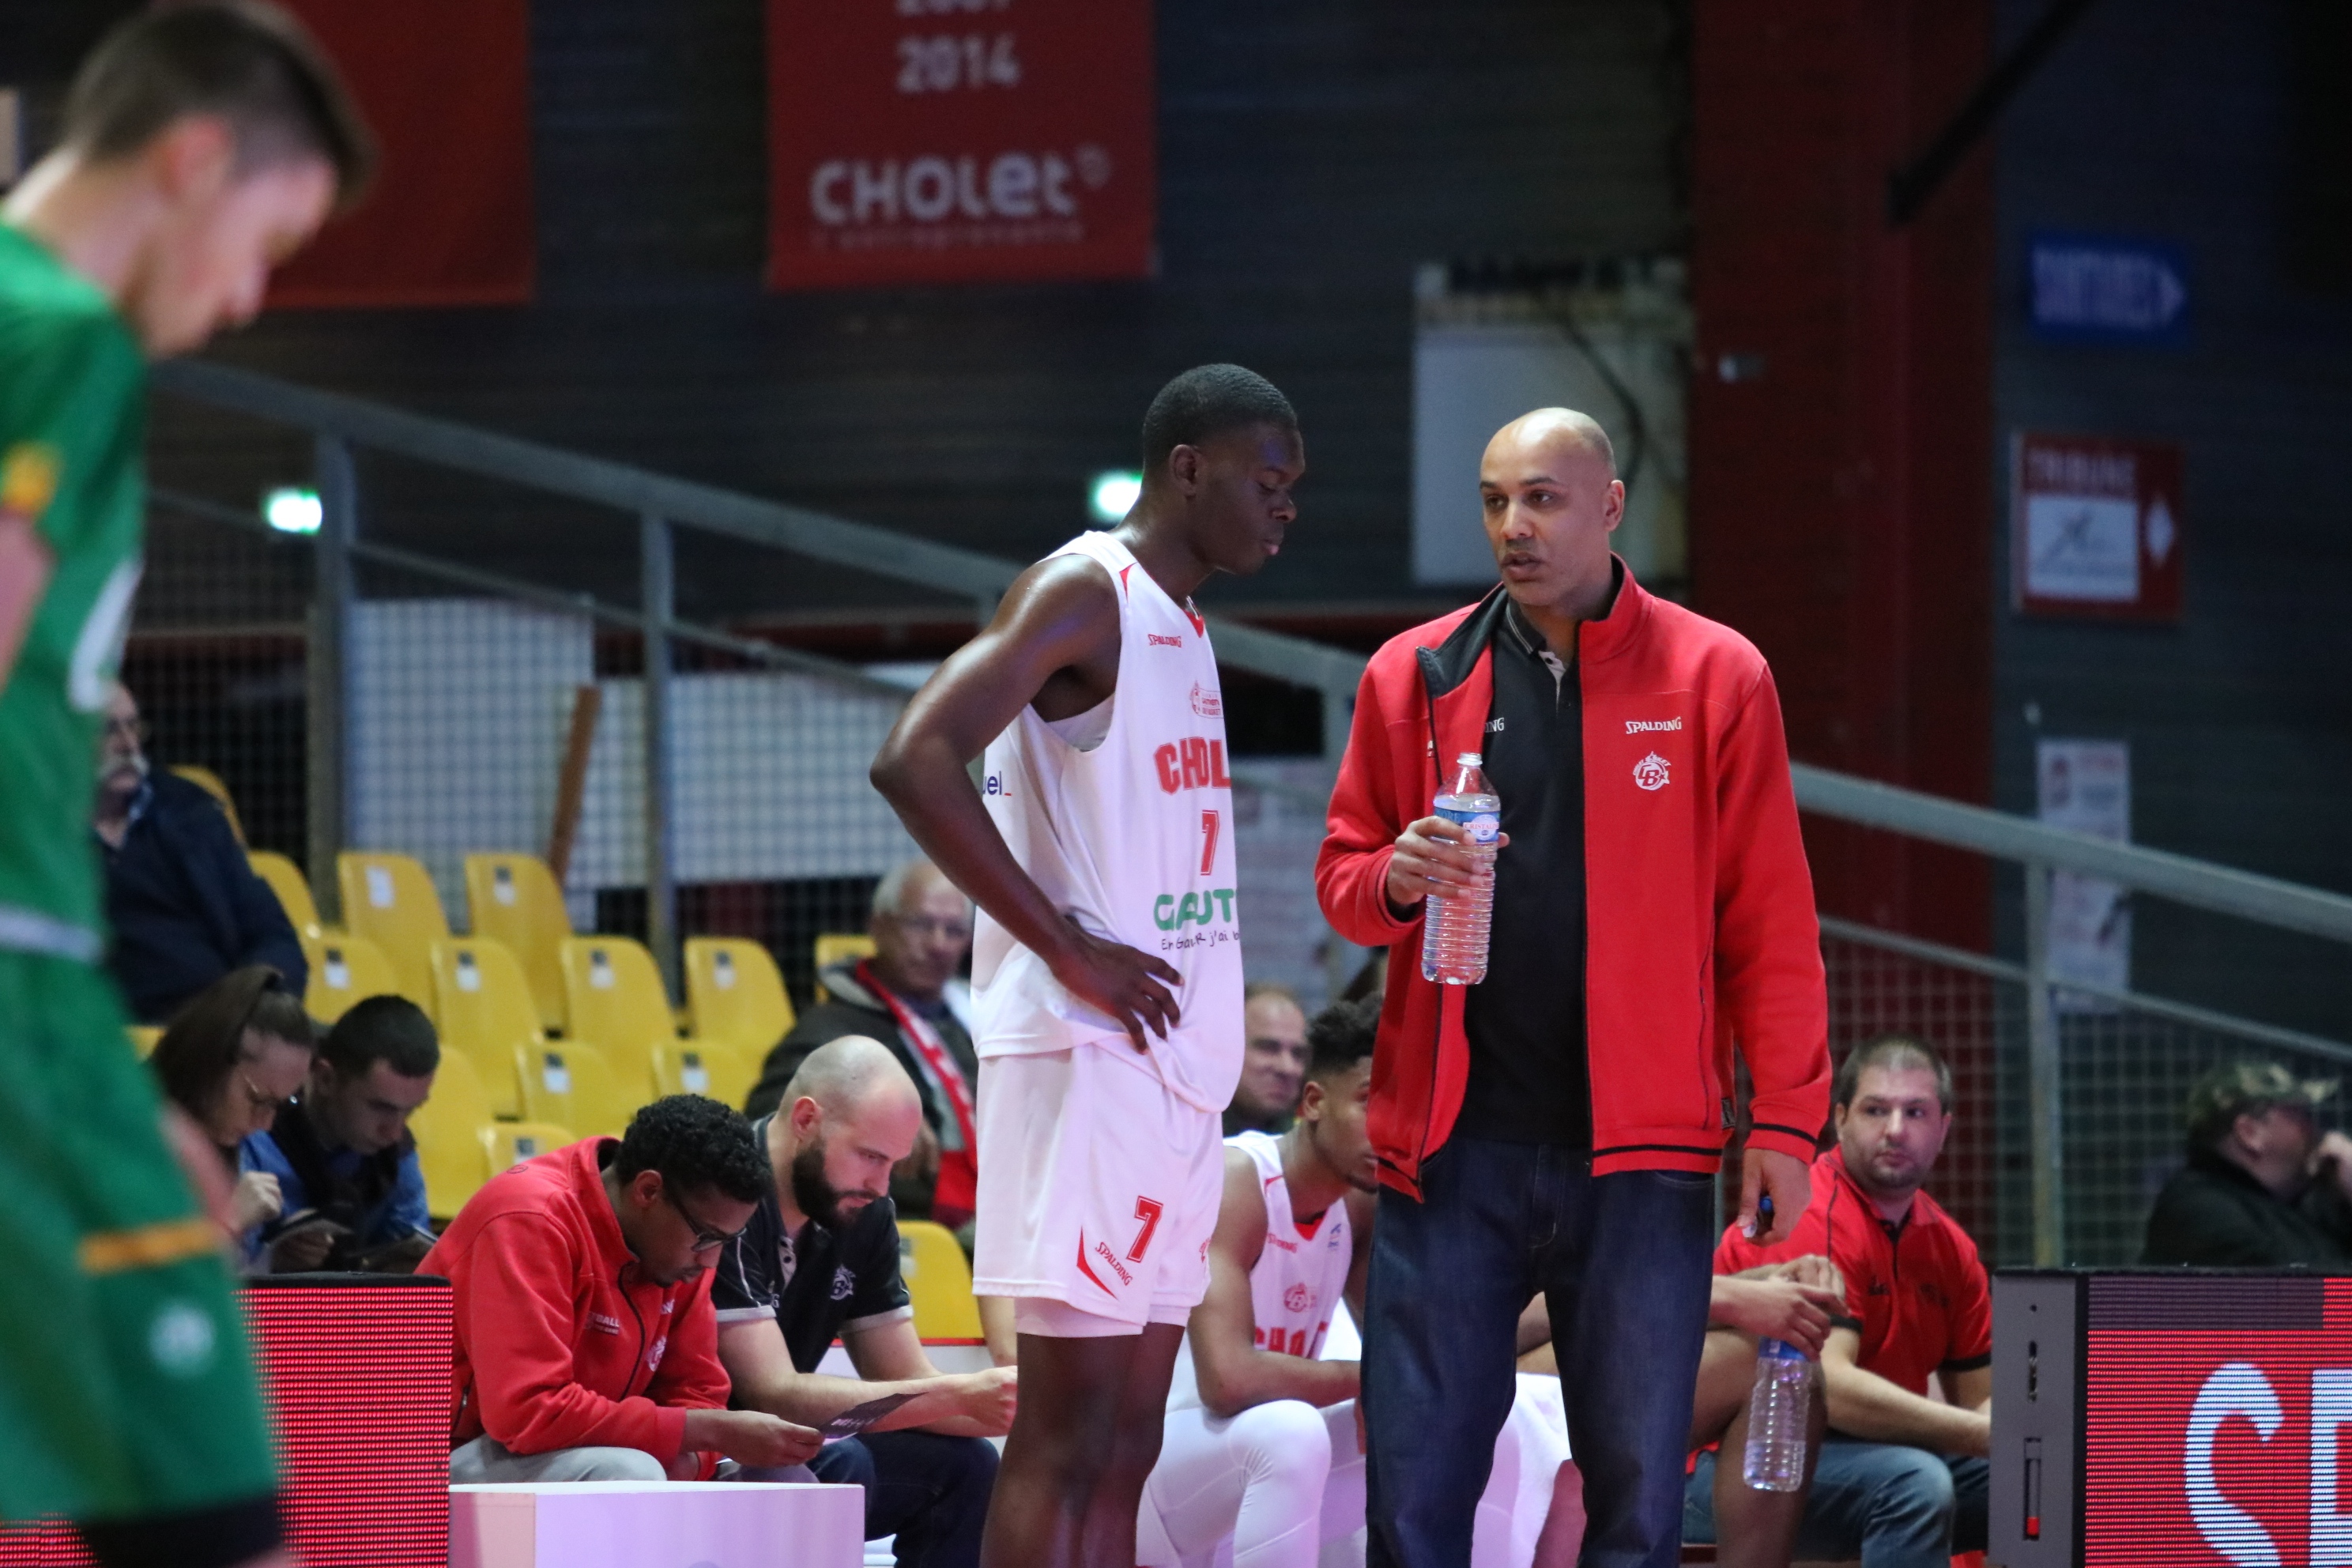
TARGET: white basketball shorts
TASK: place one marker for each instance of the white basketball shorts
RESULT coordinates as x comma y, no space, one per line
1098,1190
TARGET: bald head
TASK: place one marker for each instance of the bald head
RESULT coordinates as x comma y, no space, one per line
852,1076
1547,433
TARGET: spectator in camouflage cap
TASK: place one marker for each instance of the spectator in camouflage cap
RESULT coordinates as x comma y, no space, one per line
2263,1187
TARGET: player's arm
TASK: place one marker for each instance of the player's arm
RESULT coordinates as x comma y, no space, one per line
1235,1374
1056,635
25,565
1866,1405
1362,1209
1796,1301
760,1368
957,1404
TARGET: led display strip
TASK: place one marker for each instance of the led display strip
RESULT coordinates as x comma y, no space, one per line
356,1367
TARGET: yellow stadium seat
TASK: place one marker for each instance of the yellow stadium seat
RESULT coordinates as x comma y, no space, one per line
938,1280
448,1130
286,880
836,947
390,900
708,1068
349,969
509,1144
614,999
143,1039
483,1008
210,782
569,1083
514,899
735,994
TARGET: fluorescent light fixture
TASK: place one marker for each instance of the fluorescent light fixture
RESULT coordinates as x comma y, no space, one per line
1113,495
290,510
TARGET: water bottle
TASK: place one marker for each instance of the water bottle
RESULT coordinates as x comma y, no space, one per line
1777,1411
1453,930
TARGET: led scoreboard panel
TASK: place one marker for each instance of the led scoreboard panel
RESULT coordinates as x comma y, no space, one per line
356,1368
2171,1418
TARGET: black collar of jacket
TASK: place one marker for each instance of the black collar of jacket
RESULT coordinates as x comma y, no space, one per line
1446,667
2211,1162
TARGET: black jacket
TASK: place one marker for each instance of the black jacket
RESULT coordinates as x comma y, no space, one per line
186,905
854,1010
2215,1215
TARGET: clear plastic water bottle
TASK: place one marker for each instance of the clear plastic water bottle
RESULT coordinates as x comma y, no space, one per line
1454,931
1776,1412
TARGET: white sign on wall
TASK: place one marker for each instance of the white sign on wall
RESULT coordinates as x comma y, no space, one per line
2084,786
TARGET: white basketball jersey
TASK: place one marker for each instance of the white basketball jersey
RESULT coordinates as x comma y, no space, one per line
1299,1277
1132,838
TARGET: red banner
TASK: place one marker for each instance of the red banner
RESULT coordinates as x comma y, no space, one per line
948,141
446,84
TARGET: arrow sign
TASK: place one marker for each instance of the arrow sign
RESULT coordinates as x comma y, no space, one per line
2085,288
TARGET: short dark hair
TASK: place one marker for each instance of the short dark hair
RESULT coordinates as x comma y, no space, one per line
197,1053
248,63
388,1030
1340,1036
694,1142
1894,1052
1208,400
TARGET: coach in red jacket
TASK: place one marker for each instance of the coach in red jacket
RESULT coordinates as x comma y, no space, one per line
587,1347
1558,1127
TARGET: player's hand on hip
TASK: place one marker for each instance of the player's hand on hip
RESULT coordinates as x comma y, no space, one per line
255,1200
752,1436
988,1399
1131,987
1789,1184
1433,855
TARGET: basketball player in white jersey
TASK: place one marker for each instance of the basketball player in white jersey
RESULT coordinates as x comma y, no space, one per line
1106,966
1262,1441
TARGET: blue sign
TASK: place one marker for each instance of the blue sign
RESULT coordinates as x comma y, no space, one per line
2094,289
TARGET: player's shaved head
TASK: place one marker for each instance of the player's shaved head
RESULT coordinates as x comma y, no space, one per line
850,1076
1542,435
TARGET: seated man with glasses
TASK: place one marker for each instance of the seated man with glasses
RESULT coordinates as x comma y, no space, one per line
908,996
818,1261
586,1347
183,900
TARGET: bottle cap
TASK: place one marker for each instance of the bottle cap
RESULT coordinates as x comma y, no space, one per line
1469,760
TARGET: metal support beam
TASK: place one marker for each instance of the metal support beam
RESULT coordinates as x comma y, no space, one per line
2046,1112
660,593
1909,187
329,669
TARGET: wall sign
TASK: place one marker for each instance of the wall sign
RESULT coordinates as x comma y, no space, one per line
2086,786
2087,288
2095,528
950,141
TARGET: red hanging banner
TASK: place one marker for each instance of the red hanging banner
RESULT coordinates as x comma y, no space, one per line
445,85
953,141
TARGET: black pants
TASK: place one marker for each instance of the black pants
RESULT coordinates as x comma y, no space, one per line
929,1491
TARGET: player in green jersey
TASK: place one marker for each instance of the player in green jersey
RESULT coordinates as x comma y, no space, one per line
201,145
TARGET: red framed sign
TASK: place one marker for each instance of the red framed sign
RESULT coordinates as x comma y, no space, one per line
953,141
2095,528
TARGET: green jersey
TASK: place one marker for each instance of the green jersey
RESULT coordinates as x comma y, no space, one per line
73,427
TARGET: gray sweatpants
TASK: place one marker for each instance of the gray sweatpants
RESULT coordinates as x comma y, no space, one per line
486,1462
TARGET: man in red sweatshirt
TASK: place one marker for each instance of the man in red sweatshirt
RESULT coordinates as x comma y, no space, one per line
1558,1127
587,1347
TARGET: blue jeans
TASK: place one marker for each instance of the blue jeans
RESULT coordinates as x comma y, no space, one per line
929,1490
1890,1505
1623,1260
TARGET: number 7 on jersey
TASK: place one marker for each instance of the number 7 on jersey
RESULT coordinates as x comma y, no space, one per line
1210,823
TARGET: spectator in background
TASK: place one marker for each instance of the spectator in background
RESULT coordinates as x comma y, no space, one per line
1900,1481
346,1167
908,996
1274,1066
184,902
2264,1187
819,1261
231,1060
586,1349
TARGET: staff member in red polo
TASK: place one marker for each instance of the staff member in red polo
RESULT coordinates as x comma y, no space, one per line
1558,1127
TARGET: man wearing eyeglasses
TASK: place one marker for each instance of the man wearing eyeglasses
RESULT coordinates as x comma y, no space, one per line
909,995
184,902
586,1345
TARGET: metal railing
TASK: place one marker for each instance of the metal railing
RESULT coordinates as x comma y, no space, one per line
662,504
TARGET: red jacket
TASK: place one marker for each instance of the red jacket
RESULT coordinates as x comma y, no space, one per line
1700,925
561,1341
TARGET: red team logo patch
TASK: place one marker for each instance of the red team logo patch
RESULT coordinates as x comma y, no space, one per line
1649,772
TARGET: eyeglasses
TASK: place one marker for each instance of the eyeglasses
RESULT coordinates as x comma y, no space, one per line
925,925
132,730
262,1100
706,1239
